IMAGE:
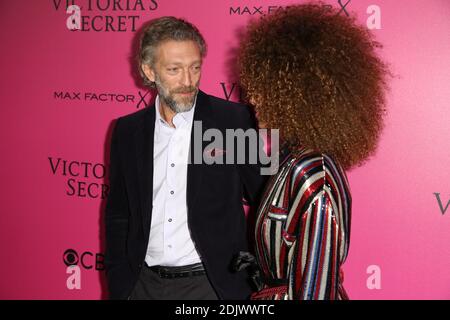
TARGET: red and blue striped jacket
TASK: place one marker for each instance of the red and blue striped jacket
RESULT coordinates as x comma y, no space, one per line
303,229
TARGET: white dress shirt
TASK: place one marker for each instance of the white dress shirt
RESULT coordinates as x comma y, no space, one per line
170,242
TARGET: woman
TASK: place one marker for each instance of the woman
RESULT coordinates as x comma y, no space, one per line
313,74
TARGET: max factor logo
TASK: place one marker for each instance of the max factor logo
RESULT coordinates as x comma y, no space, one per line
343,6
253,10
142,102
261,10
139,100
373,20
441,207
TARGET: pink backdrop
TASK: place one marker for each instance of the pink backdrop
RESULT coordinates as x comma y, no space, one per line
398,227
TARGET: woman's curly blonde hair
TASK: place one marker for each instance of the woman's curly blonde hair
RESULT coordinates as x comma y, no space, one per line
314,74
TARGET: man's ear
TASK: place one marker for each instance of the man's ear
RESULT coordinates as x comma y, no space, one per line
148,71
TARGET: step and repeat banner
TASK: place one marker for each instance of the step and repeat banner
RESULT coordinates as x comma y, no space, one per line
68,72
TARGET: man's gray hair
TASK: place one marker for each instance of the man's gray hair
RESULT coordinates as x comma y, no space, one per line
160,30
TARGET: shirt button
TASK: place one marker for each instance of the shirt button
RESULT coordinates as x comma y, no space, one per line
171,192
170,220
170,246
172,165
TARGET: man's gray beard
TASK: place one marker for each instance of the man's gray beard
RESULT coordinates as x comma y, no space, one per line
173,105
176,107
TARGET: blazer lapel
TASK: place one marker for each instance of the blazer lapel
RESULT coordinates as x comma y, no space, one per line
144,155
194,170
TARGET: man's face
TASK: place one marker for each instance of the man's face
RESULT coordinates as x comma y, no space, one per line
176,73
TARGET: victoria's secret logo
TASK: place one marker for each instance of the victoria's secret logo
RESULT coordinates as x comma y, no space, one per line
80,177
441,205
83,17
231,91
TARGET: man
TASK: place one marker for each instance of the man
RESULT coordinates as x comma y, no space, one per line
173,226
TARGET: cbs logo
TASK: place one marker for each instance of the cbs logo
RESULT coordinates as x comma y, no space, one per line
87,259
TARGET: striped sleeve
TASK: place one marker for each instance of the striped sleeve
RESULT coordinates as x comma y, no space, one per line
321,238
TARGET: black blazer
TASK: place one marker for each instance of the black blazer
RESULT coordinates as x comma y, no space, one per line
214,200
